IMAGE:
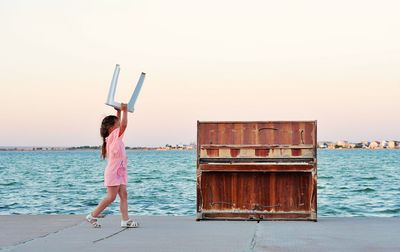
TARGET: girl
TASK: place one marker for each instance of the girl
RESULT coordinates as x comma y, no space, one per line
115,174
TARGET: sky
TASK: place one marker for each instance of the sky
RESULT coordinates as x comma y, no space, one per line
336,62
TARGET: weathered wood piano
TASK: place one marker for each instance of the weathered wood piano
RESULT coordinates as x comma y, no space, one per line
257,170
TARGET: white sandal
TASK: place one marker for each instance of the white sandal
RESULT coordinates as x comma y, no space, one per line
129,224
92,220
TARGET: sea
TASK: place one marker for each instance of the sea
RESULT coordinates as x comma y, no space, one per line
354,182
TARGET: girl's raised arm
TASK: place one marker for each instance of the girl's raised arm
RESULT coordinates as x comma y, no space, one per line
124,119
118,113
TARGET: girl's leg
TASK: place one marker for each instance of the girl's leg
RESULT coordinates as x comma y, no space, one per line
123,206
112,192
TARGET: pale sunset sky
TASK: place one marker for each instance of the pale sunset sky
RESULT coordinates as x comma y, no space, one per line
337,62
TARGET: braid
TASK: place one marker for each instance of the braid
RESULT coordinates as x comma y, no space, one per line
104,148
107,123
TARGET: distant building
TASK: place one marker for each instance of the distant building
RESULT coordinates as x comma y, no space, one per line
365,144
374,145
391,144
351,145
362,145
331,146
358,145
383,144
322,145
176,147
342,144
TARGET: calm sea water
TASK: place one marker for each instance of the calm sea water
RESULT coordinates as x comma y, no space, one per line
350,182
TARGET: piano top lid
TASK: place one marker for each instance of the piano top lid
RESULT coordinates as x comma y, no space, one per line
257,133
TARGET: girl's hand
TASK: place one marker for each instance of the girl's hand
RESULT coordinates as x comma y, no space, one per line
124,107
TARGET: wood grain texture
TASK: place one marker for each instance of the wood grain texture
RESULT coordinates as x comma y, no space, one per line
261,170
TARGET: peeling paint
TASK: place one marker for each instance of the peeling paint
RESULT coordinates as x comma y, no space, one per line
264,170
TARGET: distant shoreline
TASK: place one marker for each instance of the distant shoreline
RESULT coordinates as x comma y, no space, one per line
38,149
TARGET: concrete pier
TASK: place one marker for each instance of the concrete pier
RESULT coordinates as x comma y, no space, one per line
166,233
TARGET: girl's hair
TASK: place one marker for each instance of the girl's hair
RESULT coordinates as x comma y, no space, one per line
107,123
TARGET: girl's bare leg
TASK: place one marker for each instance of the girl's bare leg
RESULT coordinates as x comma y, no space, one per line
123,204
112,192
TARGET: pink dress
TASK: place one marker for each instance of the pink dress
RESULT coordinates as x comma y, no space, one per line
116,171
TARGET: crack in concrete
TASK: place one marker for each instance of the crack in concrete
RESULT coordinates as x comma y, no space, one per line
8,248
111,235
253,240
